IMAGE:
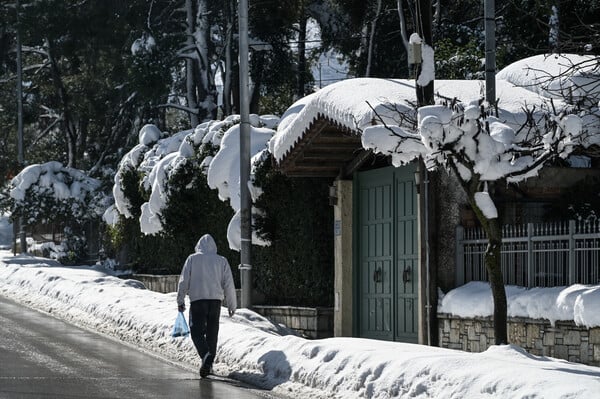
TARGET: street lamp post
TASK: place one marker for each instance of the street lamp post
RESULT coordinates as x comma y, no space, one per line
490,51
21,157
245,130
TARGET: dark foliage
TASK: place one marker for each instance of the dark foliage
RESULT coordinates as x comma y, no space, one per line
297,268
580,202
193,210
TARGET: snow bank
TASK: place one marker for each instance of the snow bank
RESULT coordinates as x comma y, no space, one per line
256,351
579,303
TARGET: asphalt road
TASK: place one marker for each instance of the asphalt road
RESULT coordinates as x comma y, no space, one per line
43,357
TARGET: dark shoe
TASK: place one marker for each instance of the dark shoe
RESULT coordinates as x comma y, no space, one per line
204,371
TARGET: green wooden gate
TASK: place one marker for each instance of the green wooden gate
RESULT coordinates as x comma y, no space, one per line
386,251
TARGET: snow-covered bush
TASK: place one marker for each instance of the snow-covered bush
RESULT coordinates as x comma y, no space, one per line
163,199
51,193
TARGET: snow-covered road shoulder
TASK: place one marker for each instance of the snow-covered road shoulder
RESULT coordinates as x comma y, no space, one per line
255,350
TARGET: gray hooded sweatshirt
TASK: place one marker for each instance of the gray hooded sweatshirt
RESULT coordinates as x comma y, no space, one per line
206,275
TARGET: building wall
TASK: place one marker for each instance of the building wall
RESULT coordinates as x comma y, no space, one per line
564,340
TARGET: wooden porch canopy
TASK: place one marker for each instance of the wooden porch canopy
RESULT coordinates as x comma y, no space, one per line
326,149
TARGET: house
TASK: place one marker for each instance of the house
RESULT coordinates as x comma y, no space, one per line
395,227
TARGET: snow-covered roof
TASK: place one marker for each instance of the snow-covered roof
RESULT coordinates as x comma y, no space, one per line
358,103
557,76
346,103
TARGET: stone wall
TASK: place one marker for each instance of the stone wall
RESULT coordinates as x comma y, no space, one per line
309,322
158,283
564,340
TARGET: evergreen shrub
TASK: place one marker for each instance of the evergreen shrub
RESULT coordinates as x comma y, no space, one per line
193,210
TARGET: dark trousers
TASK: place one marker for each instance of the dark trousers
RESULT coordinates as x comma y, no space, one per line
204,327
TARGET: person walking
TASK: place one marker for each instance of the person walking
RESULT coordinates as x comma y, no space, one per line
206,278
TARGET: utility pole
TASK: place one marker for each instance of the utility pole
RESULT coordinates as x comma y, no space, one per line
423,14
425,97
21,157
490,51
245,130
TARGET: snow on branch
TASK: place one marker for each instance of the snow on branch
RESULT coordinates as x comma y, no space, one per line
475,144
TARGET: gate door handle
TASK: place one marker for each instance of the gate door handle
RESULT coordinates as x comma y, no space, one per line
377,275
406,274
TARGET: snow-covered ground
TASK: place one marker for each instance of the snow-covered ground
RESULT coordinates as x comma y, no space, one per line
256,351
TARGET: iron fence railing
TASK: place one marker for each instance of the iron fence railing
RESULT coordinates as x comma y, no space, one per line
535,255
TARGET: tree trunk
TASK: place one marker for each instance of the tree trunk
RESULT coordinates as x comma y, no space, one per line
372,39
494,269
424,93
227,106
300,90
493,230
258,62
403,33
190,67
206,84
67,119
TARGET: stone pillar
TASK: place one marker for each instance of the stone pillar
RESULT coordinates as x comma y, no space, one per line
343,288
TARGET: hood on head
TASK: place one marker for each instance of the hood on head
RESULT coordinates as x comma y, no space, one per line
206,245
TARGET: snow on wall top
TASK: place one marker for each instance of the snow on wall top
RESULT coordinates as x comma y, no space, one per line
358,103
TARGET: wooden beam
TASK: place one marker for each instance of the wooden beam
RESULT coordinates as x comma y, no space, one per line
356,163
342,156
335,147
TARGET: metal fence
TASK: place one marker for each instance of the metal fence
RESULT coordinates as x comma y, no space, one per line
535,255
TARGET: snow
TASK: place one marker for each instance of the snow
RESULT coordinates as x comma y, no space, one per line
393,100
264,354
427,74
149,134
340,103
224,175
579,303
6,232
143,45
159,155
486,205
460,134
556,76
356,104
55,180
52,184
